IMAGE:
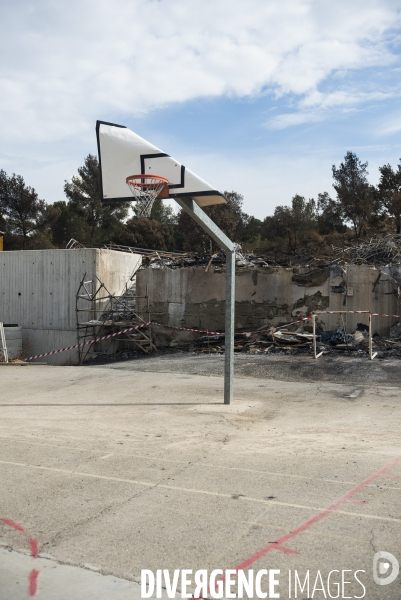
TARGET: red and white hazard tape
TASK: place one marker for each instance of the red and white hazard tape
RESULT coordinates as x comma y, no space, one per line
222,332
357,312
334,312
188,329
382,315
207,331
105,337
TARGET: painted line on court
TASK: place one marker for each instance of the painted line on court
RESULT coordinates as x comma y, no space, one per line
155,484
325,513
195,464
278,544
33,544
13,525
34,547
311,429
33,582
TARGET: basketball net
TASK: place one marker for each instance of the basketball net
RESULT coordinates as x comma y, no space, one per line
145,189
143,208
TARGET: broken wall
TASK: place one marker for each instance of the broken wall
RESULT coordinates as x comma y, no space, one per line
191,297
38,291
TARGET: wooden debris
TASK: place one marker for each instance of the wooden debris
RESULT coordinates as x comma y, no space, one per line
378,251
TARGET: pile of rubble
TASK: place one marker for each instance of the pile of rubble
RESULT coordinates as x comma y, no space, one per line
378,251
300,341
262,340
171,260
280,341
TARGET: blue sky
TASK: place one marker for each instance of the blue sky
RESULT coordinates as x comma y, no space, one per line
256,96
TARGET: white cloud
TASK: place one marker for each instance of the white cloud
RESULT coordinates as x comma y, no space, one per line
389,123
295,118
317,106
63,66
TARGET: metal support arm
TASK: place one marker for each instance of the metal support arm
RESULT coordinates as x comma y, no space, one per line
229,248
206,223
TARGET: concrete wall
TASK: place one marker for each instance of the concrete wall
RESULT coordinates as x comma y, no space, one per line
190,297
38,290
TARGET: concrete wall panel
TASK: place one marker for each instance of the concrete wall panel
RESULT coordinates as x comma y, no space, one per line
189,297
36,341
38,290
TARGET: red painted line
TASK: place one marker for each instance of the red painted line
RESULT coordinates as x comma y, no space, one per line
317,518
34,547
33,575
13,525
33,582
277,545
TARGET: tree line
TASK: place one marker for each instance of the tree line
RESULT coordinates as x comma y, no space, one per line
357,208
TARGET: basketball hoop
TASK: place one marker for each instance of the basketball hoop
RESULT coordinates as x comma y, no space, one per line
145,189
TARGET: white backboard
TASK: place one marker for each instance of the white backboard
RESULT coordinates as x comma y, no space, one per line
122,153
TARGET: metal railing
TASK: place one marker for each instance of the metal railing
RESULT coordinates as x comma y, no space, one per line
74,244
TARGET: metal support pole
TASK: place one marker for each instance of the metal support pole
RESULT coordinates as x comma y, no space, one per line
206,223
3,342
371,353
314,334
229,329
315,355
229,247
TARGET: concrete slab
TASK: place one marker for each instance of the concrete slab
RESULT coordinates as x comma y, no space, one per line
60,581
339,368
127,470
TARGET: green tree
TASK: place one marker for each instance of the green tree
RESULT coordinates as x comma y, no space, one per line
162,212
22,211
355,195
329,217
84,197
249,230
303,215
389,192
280,225
148,233
65,223
291,223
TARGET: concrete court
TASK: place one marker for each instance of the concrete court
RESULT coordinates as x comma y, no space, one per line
116,471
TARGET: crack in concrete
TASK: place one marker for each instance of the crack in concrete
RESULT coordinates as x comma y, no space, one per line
371,541
68,563
52,542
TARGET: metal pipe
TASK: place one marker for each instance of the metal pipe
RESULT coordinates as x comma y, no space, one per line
314,334
229,328
315,355
229,247
3,342
371,353
206,223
